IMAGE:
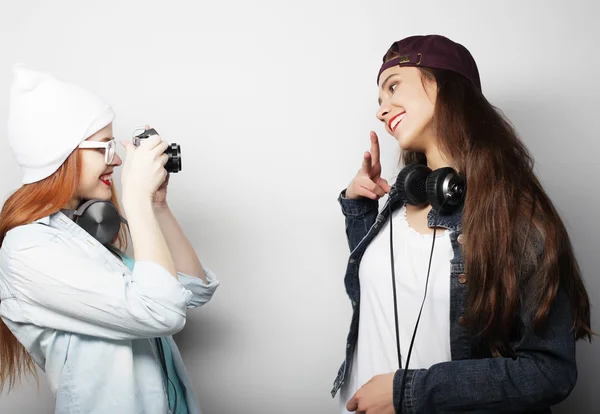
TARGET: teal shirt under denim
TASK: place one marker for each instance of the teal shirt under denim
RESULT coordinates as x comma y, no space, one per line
173,385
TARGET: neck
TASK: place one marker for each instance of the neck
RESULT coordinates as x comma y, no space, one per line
435,158
73,204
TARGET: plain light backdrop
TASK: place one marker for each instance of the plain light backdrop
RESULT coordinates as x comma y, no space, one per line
272,103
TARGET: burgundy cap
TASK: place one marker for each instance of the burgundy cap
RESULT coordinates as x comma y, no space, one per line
434,51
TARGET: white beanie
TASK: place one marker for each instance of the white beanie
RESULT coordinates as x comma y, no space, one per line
48,119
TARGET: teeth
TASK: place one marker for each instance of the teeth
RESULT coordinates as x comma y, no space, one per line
106,177
397,121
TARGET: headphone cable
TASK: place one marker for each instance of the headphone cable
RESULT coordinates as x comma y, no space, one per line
164,366
403,383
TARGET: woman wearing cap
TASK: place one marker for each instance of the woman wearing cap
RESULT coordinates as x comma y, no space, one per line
505,301
98,323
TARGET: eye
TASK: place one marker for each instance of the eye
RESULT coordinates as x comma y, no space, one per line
392,87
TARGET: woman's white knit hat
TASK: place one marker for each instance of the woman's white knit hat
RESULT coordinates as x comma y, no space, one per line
48,119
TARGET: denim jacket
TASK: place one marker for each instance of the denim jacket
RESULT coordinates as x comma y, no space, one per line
88,321
541,373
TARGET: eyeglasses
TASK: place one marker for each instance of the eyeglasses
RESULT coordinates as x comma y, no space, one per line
109,148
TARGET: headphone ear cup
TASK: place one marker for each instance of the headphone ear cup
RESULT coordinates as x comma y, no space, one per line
436,193
411,184
101,220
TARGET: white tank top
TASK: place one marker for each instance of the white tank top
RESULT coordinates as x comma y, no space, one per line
375,352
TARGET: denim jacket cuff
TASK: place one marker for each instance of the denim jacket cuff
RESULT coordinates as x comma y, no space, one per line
408,401
358,207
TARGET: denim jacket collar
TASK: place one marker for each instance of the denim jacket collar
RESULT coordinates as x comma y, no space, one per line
450,221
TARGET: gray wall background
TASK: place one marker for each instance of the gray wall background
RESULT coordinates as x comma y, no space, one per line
272,103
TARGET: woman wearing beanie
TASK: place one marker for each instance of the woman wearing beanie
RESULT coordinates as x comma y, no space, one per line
96,321
468,248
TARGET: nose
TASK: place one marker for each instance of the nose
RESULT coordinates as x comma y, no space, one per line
116,160
384,110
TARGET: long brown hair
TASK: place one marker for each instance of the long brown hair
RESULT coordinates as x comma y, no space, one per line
29,203
517,251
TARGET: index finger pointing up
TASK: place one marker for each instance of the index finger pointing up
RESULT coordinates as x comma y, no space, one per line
374,148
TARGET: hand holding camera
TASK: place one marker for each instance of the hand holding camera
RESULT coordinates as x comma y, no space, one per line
148,162
144,168
173,150
143,173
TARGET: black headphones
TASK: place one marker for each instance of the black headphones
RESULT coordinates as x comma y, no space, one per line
444,189
99,218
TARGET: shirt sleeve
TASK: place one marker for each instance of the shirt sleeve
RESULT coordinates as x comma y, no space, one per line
202,291
359,215
57,289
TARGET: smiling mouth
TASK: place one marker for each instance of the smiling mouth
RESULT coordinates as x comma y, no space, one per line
395,121
106,179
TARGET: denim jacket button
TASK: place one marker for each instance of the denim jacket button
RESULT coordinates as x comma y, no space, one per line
462,278
461,321
460,239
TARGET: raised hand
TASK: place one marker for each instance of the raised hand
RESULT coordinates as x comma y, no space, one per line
368,182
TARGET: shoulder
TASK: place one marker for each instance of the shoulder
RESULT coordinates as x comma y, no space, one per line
29,236
30,251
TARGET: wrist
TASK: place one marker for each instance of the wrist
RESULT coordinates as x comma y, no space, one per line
136,203
347,196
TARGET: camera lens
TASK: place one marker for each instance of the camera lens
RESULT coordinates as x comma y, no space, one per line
173,165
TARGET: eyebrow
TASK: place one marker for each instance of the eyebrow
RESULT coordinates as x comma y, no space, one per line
106,139
383,85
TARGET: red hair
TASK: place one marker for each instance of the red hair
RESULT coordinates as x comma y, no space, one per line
29,203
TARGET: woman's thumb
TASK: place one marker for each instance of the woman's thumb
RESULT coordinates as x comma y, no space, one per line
384,185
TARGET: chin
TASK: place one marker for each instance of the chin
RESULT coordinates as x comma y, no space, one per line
410,141
406,144
100,194
106,196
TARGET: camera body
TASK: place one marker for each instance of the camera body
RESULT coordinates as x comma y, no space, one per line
173,165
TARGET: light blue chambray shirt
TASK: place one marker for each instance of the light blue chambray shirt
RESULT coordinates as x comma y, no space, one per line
87,319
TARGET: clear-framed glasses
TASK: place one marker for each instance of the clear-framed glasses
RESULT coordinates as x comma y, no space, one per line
110,148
